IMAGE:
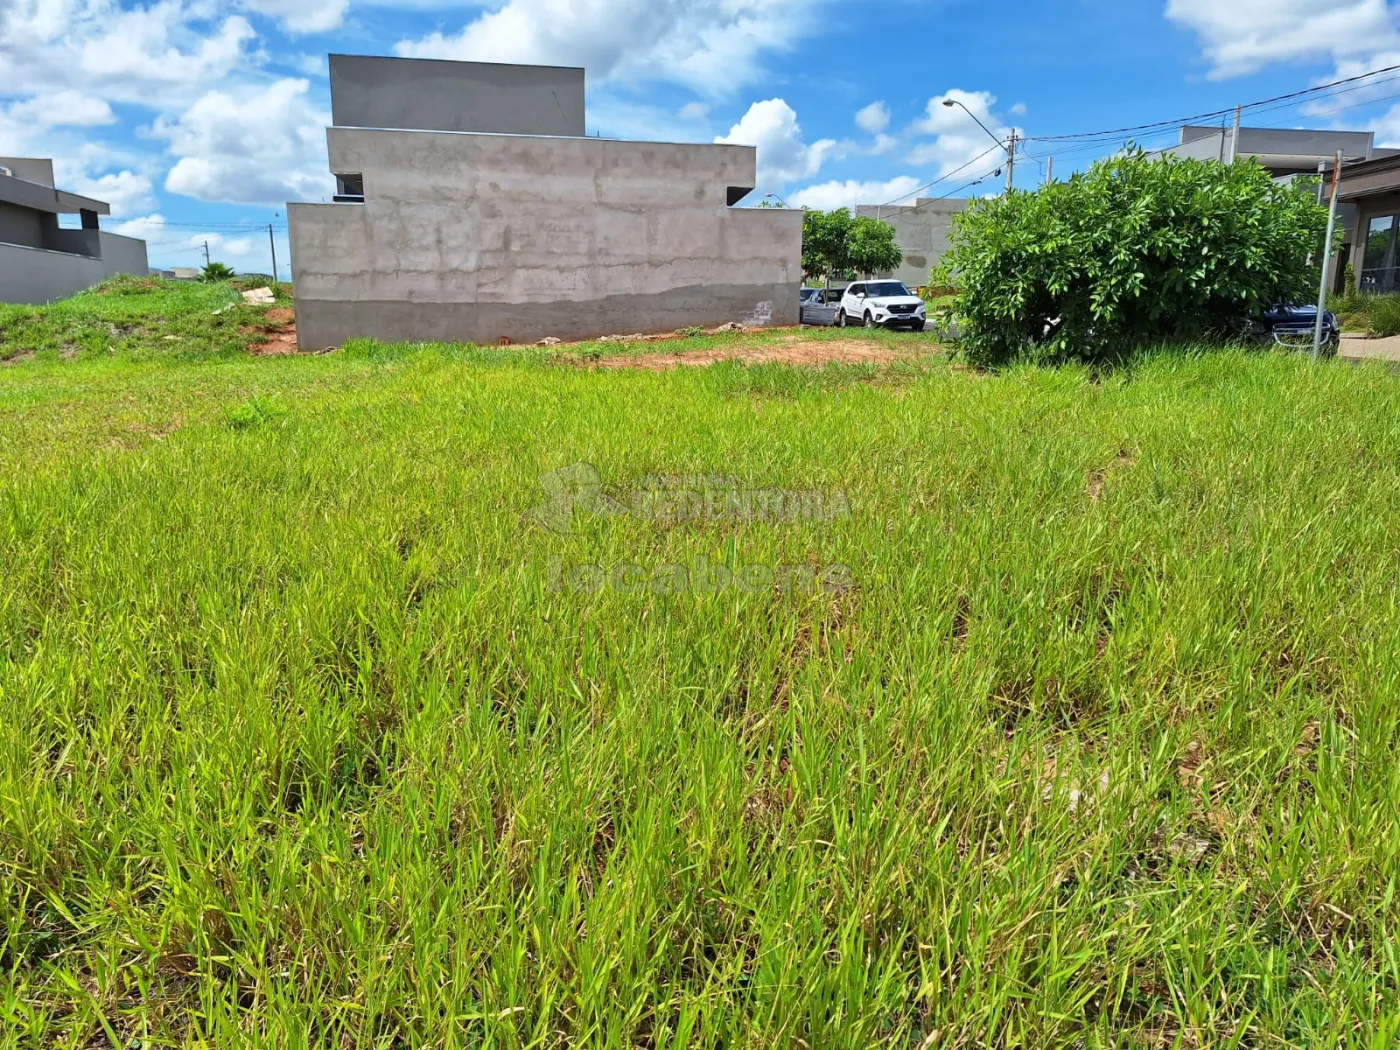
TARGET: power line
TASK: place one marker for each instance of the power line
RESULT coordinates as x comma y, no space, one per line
1215,113
944,178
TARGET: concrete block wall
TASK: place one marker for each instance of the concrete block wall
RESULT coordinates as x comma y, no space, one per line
475,238
429,95
122,255
922,231
35,275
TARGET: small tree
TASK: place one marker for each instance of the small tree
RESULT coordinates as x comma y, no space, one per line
824,237
835,245
871,248
1134,250
216,271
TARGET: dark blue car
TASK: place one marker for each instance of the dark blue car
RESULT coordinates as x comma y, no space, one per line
1293,327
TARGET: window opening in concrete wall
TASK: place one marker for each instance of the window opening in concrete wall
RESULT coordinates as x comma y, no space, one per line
349,189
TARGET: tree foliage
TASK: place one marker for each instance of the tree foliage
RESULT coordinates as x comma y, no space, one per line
1133,250
216,271
837,246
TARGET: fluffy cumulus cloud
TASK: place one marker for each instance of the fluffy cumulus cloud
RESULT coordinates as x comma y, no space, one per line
25,121
145,228
62,109
302,16
783,156
126,191
120,54
951,138
1244,36
712,46
257,147
849,194
874,118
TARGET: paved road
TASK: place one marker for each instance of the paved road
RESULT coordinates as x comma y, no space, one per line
1358,349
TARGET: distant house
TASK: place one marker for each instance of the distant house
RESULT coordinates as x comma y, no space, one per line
472,207
1370,196
41,261
1280,151
922,232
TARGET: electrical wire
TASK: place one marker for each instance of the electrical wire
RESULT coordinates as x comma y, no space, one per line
943,178
1178,122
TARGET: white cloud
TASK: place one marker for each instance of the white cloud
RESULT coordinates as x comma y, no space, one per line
312,65
146,227
1018,110
883,145
874,118
100,48
782,155
1244,36
830,195
125,191
302,16
62,109
713,46
694,111
956,137
257,147
221,245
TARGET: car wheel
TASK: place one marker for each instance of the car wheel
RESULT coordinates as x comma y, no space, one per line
869,321
841,321
918,326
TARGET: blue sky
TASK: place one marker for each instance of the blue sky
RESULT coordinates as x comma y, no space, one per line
199,119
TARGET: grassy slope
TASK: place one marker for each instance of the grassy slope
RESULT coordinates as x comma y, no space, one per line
300,749
134,318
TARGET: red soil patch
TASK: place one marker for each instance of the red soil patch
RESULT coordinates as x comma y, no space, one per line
278,333
802,352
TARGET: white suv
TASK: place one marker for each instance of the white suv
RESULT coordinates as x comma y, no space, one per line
886,303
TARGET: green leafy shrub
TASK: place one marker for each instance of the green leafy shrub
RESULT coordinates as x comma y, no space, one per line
216,271
1132,251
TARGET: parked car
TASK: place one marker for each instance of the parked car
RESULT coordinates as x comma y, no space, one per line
1294,327
884,303
821,308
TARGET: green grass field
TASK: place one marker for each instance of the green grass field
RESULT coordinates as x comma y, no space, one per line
317,734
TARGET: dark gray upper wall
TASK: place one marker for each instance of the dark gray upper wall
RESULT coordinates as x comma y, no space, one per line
38,170
1204,143
430,95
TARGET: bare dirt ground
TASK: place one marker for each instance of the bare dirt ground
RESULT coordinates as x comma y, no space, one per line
793,350
278,332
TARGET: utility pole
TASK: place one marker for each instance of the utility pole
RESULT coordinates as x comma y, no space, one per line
1049,170
206,253
1011,160
1327,257
1235,139
272,244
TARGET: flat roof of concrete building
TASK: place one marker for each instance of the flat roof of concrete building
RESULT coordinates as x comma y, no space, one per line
34,195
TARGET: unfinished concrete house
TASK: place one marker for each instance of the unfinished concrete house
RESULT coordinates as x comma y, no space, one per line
40,260
471,207
922,230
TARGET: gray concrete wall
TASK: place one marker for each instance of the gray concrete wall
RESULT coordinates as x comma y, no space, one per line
474,238
21,226
123,255
33,275
74,242
428,95
1199,143
30,169
922,232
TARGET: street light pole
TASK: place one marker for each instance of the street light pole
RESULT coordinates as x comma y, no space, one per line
1327,257
1010,146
